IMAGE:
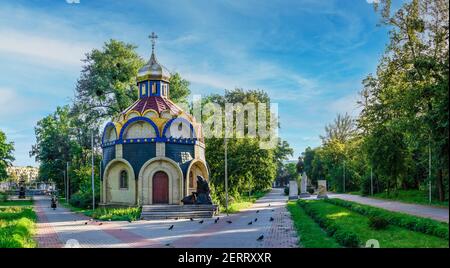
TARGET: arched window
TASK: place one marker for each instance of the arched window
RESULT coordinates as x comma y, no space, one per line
123,180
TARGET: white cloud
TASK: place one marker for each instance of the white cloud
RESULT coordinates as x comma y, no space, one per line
12,104
48,50
347,104
373,1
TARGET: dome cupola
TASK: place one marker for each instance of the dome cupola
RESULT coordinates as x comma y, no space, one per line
153,78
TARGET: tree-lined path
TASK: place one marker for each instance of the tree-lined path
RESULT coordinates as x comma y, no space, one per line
56,227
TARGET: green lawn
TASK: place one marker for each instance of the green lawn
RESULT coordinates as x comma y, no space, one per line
345,221
17,224
309,232
411,196
105,214
242,202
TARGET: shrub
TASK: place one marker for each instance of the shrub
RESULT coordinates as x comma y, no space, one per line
378,223
347,238
3,197
82,200
413,223
344,237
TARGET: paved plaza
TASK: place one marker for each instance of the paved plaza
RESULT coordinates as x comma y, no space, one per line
61,228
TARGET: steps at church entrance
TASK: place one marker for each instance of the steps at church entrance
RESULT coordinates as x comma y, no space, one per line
158,212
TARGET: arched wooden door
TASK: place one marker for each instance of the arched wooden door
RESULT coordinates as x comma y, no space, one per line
160,188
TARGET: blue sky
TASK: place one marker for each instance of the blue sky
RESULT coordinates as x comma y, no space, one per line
309,55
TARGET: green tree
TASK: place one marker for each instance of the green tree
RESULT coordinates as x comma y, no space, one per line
387,153
6,155
53,146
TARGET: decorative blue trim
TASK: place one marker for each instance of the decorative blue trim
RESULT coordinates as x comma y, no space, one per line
110,124
134,119
169,123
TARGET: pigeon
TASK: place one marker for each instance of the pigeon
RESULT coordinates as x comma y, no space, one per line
176,219
271,219
200,222
256,219
168,244
171,227
250,223
273,210
257,211
191,219
85,223
229,221
129,221
100,223
216,220
260,238
269,204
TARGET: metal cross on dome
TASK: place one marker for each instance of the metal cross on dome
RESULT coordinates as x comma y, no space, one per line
153,37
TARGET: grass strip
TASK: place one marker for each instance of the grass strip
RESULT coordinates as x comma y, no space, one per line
410,222
309,232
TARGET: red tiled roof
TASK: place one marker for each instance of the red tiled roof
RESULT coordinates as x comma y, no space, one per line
156,103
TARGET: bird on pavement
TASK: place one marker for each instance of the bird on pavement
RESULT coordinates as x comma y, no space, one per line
229,221
176,219
191,219
271,219
260,238
216,220
257,211
200,222
129,221
171,227
256,219
100,223
250,223
85,223
269,204
168,244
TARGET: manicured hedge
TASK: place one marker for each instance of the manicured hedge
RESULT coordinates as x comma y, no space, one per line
413,223
343,236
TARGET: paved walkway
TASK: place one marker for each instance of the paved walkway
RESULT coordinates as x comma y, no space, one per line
57,227
440,214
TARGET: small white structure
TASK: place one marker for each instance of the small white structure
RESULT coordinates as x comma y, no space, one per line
322,189
304,186
293,190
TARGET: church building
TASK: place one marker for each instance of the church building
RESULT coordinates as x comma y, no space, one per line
153,151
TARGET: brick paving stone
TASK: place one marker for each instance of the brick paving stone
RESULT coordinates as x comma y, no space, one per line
58,226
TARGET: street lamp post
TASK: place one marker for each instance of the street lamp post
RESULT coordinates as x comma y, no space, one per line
93,185
68,182
226,174
371,181
343,185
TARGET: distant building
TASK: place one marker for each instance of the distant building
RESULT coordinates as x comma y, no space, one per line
29,174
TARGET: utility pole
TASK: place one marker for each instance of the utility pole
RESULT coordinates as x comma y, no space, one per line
226,173
93,189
